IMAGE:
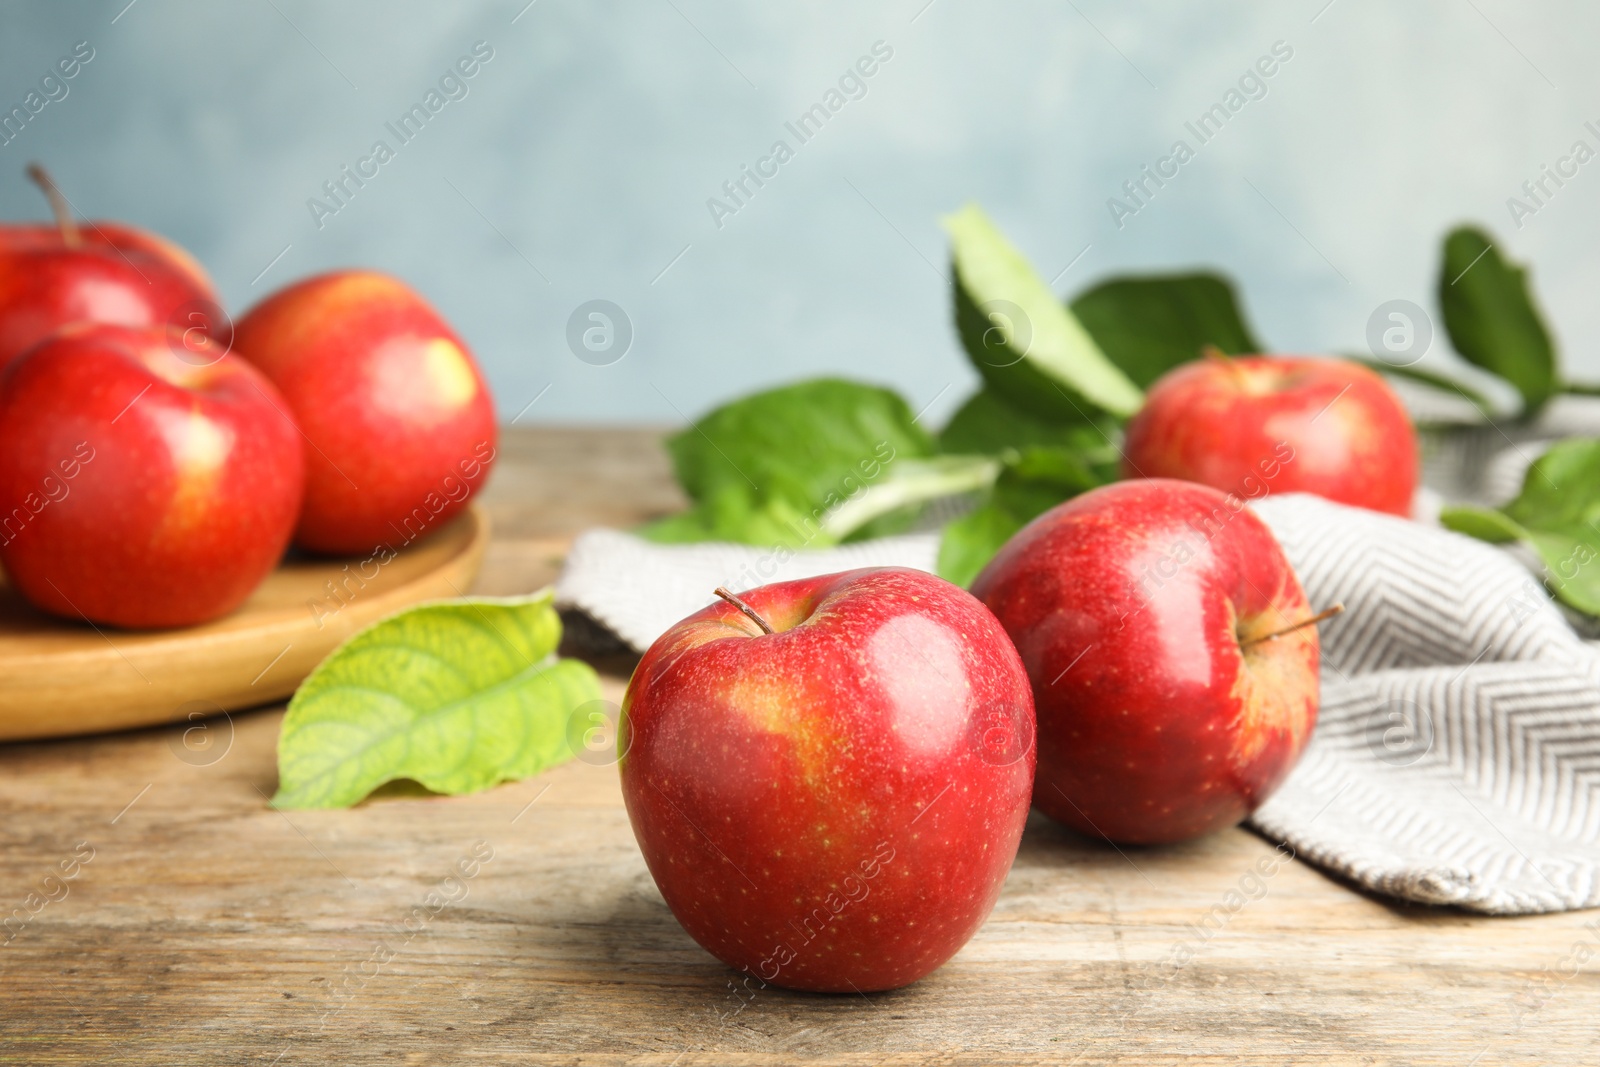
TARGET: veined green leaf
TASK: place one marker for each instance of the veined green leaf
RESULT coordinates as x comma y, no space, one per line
1031,482
769,468
988,424
914,481
456,695
1148,324
1486,524
1562,487
1491,317
1557,514
970,542
1025,342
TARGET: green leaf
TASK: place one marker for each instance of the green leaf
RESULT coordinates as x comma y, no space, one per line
1561,488
1486,524
1569,560
1031,482
456,695
1558,514
1490,315
970,542
910,482
1149,324
988,424
1024,341
768,469
731,514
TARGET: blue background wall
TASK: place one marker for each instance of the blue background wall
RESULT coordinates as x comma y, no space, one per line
579,164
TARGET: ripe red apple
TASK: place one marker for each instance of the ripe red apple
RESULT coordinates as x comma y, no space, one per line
1280,424
141,486
400,423
832,805
99,272
1144,612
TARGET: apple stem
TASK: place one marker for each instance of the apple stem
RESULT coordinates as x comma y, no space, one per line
1320,616
746,608
1213,354
58,204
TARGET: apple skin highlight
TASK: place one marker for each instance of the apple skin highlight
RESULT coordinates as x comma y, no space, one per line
833,806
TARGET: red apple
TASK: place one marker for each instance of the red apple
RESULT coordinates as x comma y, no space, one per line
400,423
1281,424
832,805
139,485
98,272
1144,612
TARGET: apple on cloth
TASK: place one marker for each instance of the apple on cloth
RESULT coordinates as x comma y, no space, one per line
1455,707
829,777
1174,671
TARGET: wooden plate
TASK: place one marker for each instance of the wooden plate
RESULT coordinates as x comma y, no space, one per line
59,678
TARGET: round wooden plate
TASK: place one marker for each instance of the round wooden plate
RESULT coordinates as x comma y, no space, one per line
59,677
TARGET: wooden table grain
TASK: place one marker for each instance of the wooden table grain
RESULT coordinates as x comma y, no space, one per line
520,925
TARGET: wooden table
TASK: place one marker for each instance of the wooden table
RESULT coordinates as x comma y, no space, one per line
208,929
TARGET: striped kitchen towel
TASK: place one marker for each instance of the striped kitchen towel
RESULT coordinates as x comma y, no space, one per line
1456,759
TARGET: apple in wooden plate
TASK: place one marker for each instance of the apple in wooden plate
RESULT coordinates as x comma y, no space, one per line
1278,424
828,778
398,419
97,272
1172,655
142,486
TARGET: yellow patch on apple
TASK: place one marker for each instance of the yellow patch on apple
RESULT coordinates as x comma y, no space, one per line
199,448
449,372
